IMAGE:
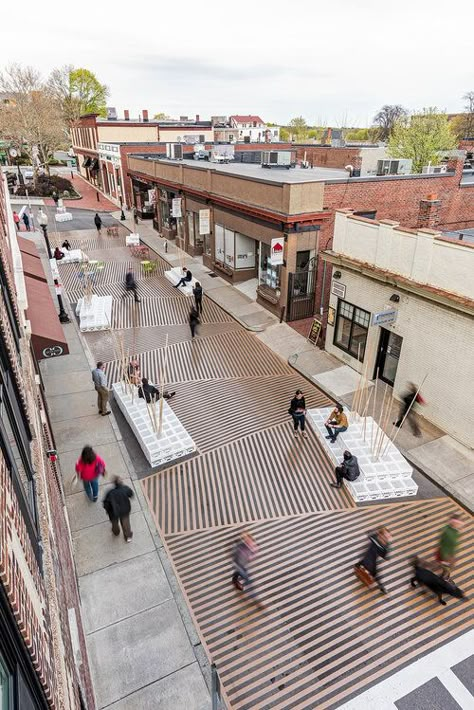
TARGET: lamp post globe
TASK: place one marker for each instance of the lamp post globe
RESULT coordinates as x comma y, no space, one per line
43,223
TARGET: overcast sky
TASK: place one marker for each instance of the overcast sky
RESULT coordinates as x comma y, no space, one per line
334,62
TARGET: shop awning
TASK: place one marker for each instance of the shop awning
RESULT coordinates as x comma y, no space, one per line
87,163
47,335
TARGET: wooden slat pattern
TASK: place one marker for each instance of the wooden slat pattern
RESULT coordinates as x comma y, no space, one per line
87,242
162,311
113,272
147,288
224,355
322,637
269,474
219,412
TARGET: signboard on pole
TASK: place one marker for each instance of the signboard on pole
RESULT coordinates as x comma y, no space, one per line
385,317
276,251
204,222
176,207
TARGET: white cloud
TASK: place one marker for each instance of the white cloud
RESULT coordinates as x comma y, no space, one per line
319,59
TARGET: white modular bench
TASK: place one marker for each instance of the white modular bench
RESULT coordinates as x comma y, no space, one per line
174,275
174,442
94,313
132,240
63,217
389,476
73,256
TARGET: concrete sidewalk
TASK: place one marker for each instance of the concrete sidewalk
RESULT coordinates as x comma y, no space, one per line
142,644
441,458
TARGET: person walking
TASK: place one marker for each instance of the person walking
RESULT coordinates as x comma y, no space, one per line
298,412
26,221
135,215
336,423
98,223
379,546
448,544
185,279
244,552
16,219
117,506
66,245
55,197
197,292
100,383
89,468
409,398
193,321
348,469
131,285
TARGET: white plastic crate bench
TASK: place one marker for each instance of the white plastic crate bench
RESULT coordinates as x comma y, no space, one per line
174,442
389,476
94,313
73,256
63,217
175,274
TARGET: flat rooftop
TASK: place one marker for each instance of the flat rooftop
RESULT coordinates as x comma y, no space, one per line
256,172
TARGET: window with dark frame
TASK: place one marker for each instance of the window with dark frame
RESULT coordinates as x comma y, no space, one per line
352,326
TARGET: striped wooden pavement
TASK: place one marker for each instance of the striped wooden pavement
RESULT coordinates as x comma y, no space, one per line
112,272
161,311
86,242
322,637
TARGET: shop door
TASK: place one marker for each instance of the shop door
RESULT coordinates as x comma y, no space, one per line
388,356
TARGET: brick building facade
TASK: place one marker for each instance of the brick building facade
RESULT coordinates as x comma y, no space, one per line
43,658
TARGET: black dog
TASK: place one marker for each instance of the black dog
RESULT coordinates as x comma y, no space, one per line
424,575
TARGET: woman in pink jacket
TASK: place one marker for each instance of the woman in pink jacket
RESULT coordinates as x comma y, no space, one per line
89,468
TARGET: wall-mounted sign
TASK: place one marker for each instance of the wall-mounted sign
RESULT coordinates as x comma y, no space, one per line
276,251
338,289
204,222
176,207
314,331
331,315
385,317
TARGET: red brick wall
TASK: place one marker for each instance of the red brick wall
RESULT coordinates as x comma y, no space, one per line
327,157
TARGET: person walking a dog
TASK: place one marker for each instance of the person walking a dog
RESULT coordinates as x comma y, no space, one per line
379,546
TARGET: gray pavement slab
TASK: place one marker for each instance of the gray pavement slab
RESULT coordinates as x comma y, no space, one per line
131,654
433,695
83,513
75,405
184,690
114,461
66,383
65,364
96,547
95,431
464,671
123,590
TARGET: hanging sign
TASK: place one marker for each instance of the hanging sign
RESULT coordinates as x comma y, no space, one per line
276,251
314,331
176,207
338,289
204,222
385,317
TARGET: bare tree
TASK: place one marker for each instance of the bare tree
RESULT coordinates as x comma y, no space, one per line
387,118
469,106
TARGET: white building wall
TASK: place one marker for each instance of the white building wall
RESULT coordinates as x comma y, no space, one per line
436,340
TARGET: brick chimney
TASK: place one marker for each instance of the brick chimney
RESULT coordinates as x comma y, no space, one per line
126,114
197,118
428,213
456,165
145,114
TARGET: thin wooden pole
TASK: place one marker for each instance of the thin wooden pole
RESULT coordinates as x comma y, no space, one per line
162,386
364,415
381,431
385,427
407,412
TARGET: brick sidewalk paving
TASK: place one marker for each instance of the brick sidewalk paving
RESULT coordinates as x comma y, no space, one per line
88,200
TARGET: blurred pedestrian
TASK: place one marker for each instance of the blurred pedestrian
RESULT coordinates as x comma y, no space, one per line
89,468
98,223
448,544
379,545
243,554
193,321
16,219
409,398
197,292
131,285
117,506
26,221
348,469
55,197
298,411
336,423
100,383
66,245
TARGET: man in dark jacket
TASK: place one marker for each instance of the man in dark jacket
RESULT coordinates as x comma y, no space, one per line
186,278
98,223
131,285
117,506
151,393
348,469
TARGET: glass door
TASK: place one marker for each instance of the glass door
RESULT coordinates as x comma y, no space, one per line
388,356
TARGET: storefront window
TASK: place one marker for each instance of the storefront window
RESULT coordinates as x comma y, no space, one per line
207,245
244,252
235,250
190,218
351,330
229,247
219,243
5,689
269,275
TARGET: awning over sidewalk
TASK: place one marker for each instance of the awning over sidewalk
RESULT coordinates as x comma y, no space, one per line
47,335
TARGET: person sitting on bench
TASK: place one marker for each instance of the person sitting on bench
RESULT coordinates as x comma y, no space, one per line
66,245
348,469
150,393
336,423
58,254
186,278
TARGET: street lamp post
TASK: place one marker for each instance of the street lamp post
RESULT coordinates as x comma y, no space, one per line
43,222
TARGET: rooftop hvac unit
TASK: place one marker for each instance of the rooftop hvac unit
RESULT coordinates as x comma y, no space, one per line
394,167
111,113
174,151
276,159
434,169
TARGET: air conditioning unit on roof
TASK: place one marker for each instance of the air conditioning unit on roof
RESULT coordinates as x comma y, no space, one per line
174,151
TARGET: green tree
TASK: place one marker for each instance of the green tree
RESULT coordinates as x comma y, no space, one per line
422,138
357,134
284,134
78,91
298,128
387,118
161,117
